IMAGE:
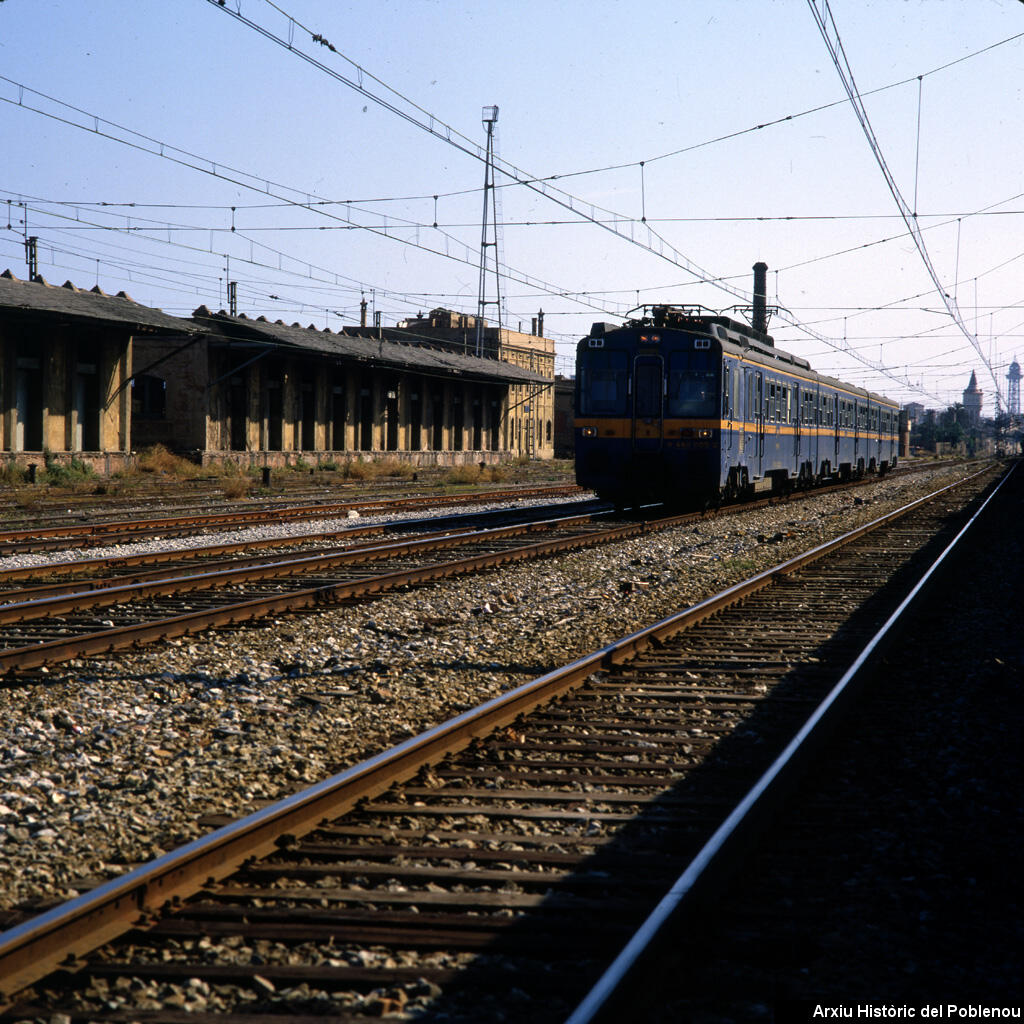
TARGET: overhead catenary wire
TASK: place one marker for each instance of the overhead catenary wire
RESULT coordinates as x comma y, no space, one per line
349,227
416,115
830,34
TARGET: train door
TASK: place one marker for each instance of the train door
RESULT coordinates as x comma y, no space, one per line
729,399
754,414
837,408
648,396
796,418
857,410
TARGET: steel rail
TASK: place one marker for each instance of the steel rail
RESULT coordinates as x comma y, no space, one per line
102,530
119,638
207,551
767,791
64,935
56,599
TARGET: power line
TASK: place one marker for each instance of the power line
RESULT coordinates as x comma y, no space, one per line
833,43
315,204
411,112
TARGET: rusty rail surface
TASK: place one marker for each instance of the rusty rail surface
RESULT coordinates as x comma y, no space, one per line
64,935
119,638
106,531
710,867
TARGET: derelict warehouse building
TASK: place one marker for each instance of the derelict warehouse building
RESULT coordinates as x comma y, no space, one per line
94,376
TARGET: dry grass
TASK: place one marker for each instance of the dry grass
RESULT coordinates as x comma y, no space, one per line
360,469
12,474
236,486
159,460
471,473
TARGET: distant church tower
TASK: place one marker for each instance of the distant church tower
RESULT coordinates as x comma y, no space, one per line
972,400
1013,391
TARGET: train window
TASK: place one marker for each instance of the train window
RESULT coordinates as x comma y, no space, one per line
649,382
692,384
604,382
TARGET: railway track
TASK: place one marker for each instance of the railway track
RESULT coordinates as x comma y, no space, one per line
46,624
55,531
55,616
94,531
491,867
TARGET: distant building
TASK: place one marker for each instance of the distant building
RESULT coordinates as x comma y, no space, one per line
914,411
528,426
95,377
973,400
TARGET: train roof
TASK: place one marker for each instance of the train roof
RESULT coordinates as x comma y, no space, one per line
741,338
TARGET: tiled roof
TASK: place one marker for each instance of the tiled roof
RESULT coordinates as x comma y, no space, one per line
71,303
366,347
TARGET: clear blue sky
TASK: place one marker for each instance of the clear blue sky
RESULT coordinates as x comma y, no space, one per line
642,108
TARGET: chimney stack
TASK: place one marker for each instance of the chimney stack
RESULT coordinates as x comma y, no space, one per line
760,317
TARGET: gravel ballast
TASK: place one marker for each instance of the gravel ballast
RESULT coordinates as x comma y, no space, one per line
108,763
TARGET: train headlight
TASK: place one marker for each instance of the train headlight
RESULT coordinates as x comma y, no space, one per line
704,434
589,431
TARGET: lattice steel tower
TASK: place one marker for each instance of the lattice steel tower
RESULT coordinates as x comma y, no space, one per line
489,240
1013,391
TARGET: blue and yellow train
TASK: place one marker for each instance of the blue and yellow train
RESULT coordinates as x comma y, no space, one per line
688,407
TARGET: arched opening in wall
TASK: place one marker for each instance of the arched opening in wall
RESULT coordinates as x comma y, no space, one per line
28,401
87,401
366,416
338,413
437,420
416,416
274,411
307,415
458,422
494,432
238,409
478,420
391,415
548,432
